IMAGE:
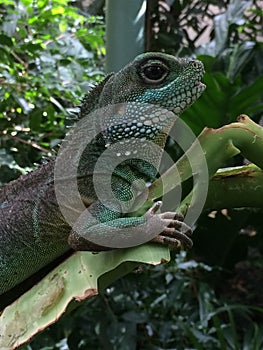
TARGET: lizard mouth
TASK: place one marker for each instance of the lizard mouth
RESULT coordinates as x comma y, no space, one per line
199,83
198,87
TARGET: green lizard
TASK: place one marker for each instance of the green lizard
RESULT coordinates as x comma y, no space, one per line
33,229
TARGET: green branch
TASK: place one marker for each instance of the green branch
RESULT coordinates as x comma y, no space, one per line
235,188
217,146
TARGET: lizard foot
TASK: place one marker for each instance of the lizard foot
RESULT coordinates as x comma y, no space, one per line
175,233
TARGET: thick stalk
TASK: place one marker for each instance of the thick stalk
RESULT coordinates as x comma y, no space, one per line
217,146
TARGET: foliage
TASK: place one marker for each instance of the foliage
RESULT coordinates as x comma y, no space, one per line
50,57
234,68
180,27
167,307
231,239
231,91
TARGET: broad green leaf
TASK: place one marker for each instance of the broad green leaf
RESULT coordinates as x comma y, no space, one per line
80,277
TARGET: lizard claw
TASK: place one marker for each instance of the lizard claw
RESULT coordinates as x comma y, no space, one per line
176,232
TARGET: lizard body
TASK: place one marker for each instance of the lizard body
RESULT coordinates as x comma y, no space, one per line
33,228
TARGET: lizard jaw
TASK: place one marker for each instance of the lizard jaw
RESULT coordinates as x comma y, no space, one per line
199,83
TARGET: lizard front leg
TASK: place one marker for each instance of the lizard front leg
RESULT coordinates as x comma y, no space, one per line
176,231
124,232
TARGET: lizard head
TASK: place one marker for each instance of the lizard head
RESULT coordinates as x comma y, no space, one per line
159,79
148,95
143,101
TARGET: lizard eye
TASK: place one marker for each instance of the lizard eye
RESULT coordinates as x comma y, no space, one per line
154,72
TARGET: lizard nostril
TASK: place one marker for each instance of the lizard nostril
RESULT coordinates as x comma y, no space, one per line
195,64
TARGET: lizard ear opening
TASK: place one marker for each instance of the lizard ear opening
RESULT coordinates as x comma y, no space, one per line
154,72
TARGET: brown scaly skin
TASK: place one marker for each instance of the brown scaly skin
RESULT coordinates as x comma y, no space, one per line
33,231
